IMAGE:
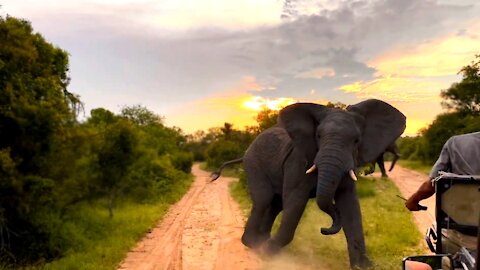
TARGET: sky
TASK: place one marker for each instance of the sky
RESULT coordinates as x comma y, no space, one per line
202,63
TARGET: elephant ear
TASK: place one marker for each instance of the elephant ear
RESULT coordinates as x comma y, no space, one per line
300,120
382,126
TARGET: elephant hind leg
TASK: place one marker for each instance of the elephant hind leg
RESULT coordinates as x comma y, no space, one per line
262,197
252,236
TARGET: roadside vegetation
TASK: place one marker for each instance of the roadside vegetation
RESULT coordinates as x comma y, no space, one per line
78,194
75,194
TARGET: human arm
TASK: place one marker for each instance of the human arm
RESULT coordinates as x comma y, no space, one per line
426,190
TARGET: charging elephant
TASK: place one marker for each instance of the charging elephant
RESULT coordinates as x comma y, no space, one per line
392,148
312,152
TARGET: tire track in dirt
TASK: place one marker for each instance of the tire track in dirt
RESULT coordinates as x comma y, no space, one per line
201,231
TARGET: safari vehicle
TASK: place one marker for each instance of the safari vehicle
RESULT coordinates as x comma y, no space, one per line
457,222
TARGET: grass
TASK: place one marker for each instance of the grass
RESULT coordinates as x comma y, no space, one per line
415,165
390,233
100,242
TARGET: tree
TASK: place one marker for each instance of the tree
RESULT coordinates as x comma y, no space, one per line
221,151
465,96
227,130
115,156
101,117
141,116
36,110
337,105
266,118
34,103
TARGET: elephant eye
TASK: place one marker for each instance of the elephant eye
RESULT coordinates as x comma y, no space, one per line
356,141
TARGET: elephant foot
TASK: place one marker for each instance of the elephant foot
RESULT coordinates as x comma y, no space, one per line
253,241
271,248
363,263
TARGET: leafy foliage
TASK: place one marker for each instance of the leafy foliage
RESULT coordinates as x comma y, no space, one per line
266,118
226,143
36,112
464,96
50,163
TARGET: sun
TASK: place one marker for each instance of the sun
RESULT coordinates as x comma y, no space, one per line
257,103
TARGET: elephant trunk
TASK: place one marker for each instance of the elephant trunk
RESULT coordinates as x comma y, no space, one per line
328,179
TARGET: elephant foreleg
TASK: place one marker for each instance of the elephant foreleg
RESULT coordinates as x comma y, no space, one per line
348,205
295,196
288,225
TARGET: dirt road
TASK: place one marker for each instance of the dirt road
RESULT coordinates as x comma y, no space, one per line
201,231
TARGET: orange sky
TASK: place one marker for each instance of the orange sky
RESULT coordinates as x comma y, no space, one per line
410,78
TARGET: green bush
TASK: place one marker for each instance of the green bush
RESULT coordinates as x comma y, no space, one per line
443,127
182,161
221,151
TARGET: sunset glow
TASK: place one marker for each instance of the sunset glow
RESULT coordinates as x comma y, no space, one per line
257,103
201,64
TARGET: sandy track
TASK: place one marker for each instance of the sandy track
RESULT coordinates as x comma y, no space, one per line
201,231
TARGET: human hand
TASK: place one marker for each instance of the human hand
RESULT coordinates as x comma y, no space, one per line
412,204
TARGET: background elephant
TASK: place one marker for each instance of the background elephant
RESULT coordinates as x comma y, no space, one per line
335,141
392,148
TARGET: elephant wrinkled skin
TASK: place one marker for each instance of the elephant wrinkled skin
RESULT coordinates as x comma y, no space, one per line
336,141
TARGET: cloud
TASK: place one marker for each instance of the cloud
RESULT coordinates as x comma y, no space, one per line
317,73
396,89
442,56
168,55
166,15
236,105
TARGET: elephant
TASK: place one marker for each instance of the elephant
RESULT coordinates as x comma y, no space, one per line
392,148
312,152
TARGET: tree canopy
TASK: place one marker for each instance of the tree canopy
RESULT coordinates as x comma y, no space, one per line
50,162
464,96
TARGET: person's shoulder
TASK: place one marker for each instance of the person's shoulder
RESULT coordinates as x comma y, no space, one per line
472,135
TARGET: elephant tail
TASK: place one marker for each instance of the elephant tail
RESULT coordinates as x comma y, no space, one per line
216,174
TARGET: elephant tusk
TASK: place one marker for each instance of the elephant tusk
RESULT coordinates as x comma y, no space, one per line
311,169
353,176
